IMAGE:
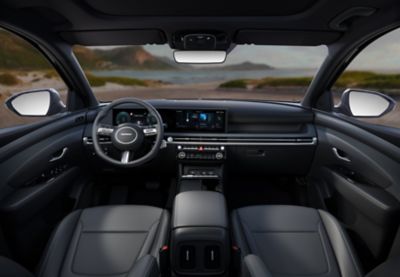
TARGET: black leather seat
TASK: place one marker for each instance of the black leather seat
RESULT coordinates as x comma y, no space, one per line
104,241
292,241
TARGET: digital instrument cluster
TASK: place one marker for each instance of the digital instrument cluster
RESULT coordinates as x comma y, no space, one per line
136,116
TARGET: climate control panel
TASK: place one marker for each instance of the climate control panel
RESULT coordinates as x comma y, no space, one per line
201,152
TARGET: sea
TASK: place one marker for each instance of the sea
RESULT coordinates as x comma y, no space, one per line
197,76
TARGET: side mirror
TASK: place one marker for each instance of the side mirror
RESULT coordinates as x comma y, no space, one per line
42,102
364,103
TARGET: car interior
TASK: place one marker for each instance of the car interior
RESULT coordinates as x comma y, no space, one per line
163,176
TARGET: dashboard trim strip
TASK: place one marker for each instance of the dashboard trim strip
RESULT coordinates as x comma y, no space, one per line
247,142
244,142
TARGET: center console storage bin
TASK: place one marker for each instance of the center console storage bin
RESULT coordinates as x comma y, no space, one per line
200,237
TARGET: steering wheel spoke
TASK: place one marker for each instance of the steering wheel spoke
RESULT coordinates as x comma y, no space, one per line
126,156
105,130
149,131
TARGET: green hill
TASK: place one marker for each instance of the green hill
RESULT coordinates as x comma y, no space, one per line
129,57
17,54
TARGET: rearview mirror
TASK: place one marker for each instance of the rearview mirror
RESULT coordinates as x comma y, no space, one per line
364,103
199,57
42,102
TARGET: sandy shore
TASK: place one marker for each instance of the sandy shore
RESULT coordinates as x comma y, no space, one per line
199,91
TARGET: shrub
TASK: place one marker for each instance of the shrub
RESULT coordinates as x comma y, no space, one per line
98,81
8,79
234,84
284,82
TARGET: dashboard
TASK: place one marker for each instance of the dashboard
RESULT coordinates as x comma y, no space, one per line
247,137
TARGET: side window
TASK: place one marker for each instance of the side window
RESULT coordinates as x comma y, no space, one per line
375,69
24,68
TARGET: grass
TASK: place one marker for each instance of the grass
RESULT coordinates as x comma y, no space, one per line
235,84
51,74
349,79
279,82
8,79
98,81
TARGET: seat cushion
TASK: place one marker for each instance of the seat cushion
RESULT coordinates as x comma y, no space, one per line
294,241
105,241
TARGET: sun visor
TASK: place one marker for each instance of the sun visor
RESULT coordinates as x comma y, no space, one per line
114,37
278,37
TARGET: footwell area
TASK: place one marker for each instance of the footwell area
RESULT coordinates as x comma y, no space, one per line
242,192
160,191
125,190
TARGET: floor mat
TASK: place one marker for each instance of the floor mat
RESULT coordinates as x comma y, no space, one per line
122,192
274,191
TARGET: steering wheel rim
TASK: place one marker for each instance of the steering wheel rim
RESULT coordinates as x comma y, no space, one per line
155,129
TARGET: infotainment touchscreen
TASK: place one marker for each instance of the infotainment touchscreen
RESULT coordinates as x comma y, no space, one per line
200,120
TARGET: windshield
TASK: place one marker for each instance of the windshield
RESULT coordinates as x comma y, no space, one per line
279,73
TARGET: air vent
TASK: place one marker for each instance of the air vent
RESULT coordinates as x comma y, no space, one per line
102,140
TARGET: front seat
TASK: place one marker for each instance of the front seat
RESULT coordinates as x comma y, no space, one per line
292,241
113,241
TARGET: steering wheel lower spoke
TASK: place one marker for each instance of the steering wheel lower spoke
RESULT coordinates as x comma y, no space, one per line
126,156
105,130
149,131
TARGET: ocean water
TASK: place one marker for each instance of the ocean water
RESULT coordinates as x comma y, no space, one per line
198,76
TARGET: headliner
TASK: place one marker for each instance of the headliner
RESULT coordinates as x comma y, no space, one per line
122,22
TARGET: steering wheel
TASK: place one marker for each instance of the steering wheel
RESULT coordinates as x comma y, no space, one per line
128,137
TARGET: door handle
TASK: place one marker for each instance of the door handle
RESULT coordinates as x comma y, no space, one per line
60,156
340,155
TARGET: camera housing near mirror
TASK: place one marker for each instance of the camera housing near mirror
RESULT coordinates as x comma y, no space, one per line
36,103
365,103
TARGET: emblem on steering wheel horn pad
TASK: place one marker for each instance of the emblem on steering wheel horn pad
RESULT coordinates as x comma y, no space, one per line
127,137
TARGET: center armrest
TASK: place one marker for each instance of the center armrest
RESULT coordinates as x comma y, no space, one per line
200,235
200,209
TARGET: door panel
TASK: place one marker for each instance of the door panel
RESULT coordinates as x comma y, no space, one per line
38,171
358,177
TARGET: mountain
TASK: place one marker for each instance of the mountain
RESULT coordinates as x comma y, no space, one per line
129,57
17,54
247,66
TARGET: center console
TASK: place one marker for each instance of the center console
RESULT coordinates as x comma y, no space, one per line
200,237
200,162
200,167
